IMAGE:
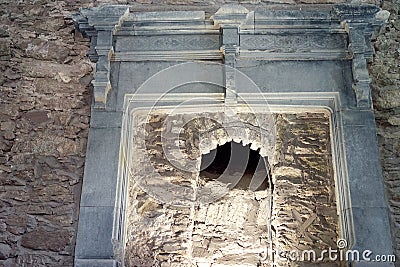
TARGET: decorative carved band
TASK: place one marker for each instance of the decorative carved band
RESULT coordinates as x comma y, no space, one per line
292,43
167,55
167,43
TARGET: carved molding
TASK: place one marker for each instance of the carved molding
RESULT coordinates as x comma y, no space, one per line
361,22
99,23
168,43
293,43
232,33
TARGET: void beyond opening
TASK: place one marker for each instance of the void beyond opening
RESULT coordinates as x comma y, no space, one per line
236,165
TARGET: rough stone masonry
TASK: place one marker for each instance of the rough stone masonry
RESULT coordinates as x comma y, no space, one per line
44,116
233,228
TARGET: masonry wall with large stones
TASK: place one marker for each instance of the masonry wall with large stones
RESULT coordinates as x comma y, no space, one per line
179,216
44,120
45,97
385,74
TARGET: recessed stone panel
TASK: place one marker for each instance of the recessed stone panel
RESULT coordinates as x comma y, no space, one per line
171,220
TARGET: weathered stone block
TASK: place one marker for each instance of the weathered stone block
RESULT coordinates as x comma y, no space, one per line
5,51
5,251
47,50
40,239
37,116
7,126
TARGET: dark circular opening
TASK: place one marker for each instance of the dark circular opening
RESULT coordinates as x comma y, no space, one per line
236,159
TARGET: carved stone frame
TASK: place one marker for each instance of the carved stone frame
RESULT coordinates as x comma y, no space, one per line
346,29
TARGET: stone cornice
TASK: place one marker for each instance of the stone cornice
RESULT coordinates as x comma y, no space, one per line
99,23
341,32
361,22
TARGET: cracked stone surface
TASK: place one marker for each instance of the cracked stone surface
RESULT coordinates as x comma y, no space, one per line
240,224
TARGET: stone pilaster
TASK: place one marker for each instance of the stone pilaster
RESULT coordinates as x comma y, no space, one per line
361,22
99,24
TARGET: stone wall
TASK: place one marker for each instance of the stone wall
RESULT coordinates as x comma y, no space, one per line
44,116
44,120
304,205
385,74
181,218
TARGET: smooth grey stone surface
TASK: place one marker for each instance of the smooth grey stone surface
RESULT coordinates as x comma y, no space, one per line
166,77
103,119
94,239
359,118
101,167
169,16
95,263
308,76
363,167
292,14
371,230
